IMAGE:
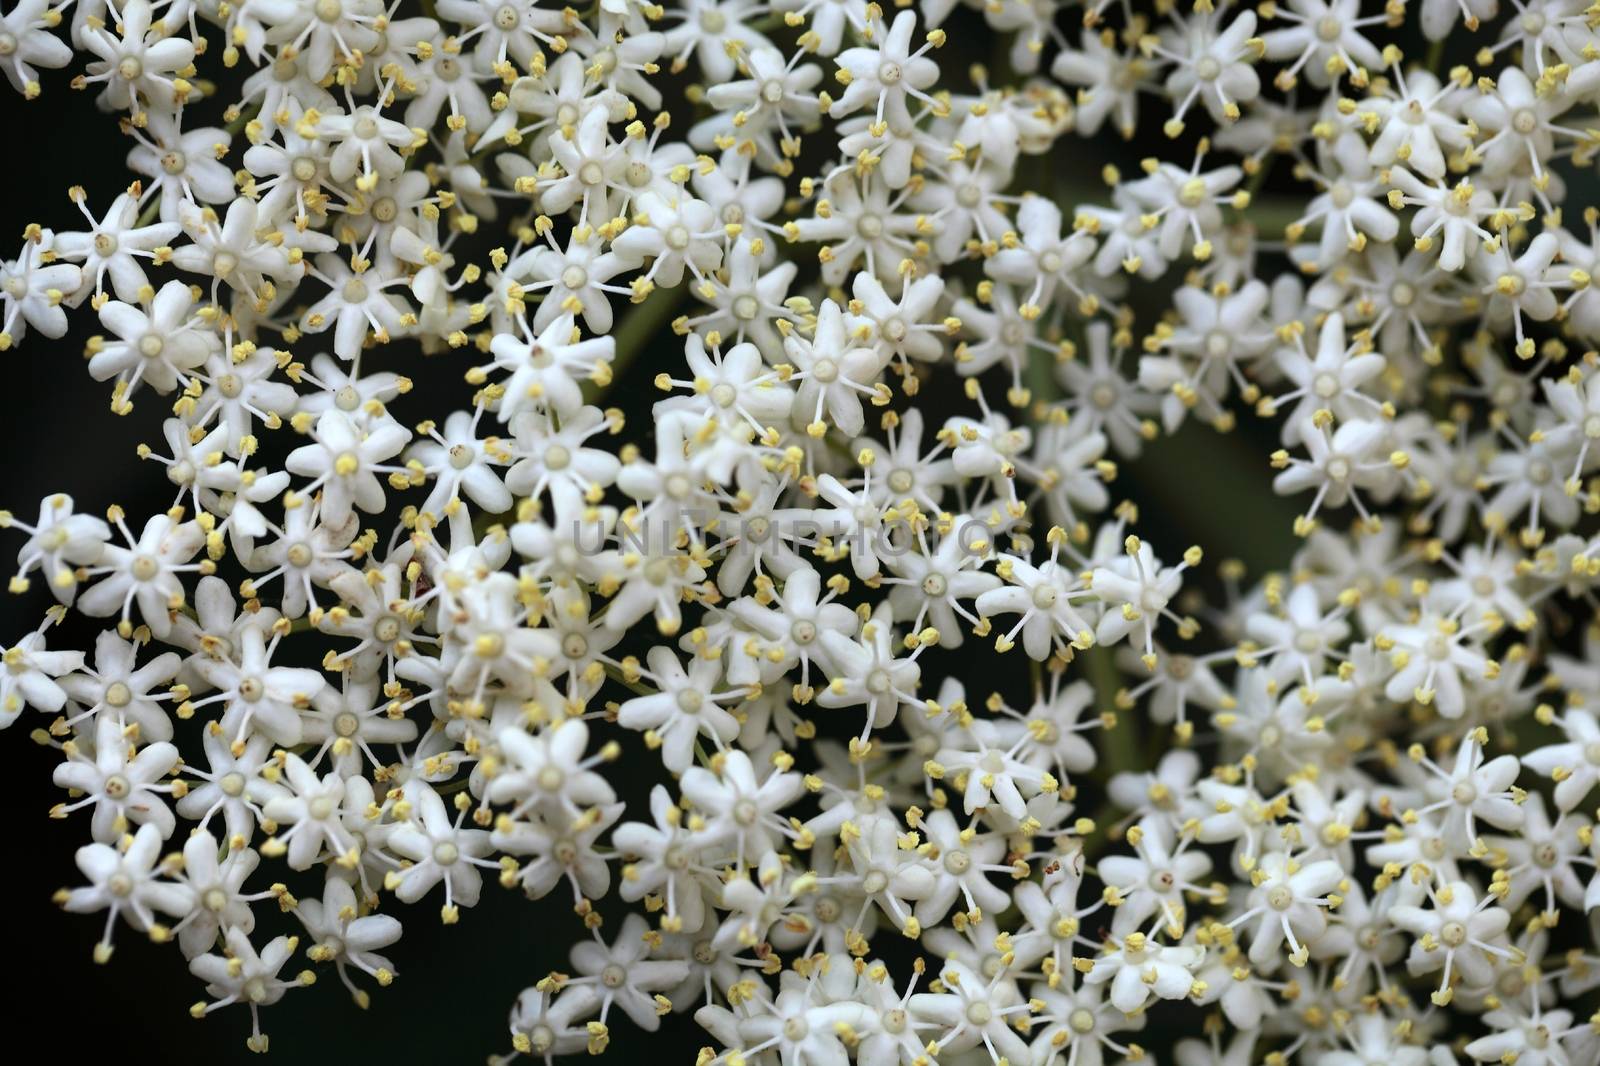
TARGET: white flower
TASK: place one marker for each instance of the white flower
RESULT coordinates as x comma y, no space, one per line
545,370
833,373
1043,597
1288,903
737,808
440,850
625,976
28,25
548,772
1324,39
342,935
31,292
345,462
1138,968
139,65
868,673
884,76
128,883
119,781
1138,588
233,251
685,709
1457,932
243,976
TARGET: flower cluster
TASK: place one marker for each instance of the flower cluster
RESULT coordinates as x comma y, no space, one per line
903,351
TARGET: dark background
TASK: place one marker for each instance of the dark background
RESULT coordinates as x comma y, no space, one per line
456,984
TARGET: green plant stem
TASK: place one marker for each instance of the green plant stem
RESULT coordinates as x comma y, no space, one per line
641,323
1121,747
632,686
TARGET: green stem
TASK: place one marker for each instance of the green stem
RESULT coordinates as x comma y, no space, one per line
242,119
1259,178
640,325
1121,749
1040,377
1435,56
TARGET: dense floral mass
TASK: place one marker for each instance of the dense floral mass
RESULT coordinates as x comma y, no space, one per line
908,320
